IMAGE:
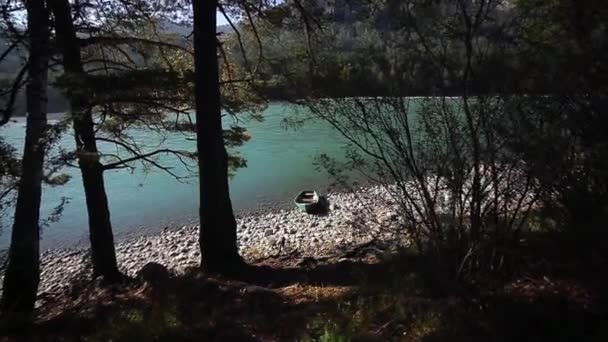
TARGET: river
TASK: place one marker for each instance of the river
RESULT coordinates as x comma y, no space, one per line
280,162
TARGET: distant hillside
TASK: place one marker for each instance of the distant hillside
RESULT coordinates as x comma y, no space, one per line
9,67
186,30
57,102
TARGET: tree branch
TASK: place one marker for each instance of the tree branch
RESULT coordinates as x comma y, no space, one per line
17,83
113,41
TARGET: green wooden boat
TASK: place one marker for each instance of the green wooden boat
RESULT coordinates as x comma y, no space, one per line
307,201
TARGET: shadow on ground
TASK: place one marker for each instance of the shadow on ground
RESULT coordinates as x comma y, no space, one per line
362,298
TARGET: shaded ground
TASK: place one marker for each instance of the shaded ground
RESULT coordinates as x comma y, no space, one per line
359,296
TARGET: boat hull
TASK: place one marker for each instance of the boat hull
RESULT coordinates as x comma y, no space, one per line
307,201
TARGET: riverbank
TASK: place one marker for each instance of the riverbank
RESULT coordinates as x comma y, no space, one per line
352,218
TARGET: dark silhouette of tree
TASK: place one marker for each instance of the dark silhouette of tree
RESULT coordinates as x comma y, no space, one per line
23,269
103,255
562,134
112,88
9,178
219,250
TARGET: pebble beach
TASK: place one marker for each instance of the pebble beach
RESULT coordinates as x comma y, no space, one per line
352,218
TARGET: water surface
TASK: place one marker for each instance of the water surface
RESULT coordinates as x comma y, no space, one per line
279,164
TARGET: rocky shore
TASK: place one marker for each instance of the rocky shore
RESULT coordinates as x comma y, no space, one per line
352,218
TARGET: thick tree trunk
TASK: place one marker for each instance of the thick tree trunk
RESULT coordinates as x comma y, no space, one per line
103,255
219,252
23,270
100,227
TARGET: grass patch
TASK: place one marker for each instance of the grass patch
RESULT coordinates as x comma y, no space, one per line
388,317
154,324
399,308
323,331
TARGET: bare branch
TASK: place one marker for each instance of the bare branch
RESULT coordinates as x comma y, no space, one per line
114,41
17,84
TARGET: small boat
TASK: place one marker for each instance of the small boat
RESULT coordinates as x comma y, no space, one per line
307,201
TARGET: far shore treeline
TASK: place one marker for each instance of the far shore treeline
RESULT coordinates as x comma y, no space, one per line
366,47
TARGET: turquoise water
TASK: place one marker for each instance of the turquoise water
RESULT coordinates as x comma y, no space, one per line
280,163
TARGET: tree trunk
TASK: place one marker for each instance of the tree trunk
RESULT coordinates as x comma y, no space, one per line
100,227
219,252
23,270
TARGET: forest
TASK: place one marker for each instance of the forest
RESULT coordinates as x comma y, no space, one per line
468,200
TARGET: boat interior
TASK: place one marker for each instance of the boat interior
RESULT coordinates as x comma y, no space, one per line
307,197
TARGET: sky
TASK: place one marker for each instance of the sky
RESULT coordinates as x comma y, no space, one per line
220,19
